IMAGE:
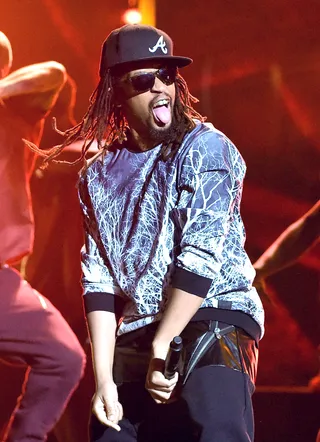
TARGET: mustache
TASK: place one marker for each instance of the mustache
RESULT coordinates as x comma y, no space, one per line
163,97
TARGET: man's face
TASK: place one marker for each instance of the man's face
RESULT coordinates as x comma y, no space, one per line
147,96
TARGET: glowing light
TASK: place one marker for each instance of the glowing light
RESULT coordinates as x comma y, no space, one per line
132,16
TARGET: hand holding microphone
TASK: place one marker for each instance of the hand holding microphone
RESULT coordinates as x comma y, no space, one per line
162,378
173,357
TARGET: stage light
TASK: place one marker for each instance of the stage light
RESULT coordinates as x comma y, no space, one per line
132,16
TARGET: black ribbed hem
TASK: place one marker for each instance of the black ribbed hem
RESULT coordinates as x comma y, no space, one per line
232,317
190,282
108,302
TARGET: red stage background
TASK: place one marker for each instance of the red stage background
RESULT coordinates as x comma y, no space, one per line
256,72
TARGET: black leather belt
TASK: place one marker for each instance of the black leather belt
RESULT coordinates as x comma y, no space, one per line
206,342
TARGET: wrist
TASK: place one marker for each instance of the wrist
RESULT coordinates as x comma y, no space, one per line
103,375
103,380
160,348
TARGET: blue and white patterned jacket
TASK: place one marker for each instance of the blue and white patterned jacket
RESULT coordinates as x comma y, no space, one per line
151,223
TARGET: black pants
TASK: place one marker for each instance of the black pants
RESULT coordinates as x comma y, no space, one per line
214,405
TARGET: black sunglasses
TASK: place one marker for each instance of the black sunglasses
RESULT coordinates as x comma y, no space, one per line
145,81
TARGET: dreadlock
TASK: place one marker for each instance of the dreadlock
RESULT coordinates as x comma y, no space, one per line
184,114
105,122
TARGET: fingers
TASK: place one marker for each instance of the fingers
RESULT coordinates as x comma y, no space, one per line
157,380
168,383
156,386
120,412
160,397
100,413
109,414
160,388
112,411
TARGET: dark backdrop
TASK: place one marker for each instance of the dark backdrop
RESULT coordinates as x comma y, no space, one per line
256,72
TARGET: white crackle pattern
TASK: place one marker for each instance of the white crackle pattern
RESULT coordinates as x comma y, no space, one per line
144,216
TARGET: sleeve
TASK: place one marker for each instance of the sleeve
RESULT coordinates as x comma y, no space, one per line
210,184
100,290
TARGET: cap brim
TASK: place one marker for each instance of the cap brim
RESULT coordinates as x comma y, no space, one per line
178,61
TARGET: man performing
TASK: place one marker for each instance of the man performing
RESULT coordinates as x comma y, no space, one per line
164,254
32,331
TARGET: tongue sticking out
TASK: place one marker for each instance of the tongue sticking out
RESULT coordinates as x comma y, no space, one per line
162,114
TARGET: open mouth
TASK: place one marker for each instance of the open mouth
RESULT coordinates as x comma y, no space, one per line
161,111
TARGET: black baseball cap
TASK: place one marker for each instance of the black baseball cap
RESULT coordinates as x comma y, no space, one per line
134,43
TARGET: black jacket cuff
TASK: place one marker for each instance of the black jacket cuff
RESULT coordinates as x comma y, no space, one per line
108,302
190,282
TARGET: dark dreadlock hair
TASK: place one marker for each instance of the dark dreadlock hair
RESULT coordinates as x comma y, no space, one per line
105,122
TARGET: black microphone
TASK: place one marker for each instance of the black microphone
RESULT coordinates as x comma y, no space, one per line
173,357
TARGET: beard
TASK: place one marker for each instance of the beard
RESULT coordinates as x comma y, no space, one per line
157,135
163,135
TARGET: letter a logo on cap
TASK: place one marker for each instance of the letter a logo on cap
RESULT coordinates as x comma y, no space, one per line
160,44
